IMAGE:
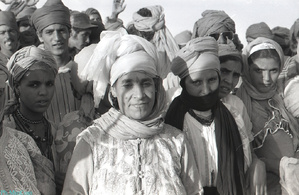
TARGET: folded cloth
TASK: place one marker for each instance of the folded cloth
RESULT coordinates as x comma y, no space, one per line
289,171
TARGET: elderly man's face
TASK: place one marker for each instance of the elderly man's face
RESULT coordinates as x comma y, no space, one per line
8,38
55,38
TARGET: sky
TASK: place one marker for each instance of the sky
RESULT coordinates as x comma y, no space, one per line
181,15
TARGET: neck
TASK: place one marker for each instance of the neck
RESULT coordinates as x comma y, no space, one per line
63,59
29,114
7,53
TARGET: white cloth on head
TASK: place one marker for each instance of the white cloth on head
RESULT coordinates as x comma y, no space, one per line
113,49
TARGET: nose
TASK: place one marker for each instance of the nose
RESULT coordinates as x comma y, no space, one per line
56,35
206,89
222,39
138,92
266,77
228,79
43,90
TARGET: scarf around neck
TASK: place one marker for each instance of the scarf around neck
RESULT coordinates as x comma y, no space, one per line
230,179
121,127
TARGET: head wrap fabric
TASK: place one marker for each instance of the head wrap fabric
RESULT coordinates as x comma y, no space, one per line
26,13
259,44
91,11
183,37
163,39
211,22
21,61
293,35
229,50
259,30
199,54
52,12
8,18
116,47
281,35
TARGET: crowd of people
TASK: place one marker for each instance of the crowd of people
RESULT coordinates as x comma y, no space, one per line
94,106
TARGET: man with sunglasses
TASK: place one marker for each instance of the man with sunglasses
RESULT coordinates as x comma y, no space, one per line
219,25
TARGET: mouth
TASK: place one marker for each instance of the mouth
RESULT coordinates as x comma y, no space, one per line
225,89
141,105
43,103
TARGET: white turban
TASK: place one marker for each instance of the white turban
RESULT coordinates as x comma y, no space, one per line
115,55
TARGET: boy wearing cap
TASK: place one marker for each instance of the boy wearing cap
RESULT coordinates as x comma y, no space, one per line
80,32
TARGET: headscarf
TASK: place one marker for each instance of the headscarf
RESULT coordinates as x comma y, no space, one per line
211,22
199,54
91,11
293,35
115,55
183,37
163,39
52,12
8,18
250,95
22,61
229,50
281,35
259,30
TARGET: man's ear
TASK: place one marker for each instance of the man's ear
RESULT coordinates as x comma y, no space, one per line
39,35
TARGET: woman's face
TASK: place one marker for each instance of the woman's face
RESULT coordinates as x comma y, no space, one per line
36,90
202,83
135,94
230,74
264,73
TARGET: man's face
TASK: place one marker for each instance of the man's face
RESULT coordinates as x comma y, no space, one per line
80,39
55,38
8,38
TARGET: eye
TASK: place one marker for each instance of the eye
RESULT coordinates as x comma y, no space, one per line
274,70
50,83
224,71
213,79
236,75
197,82
258,70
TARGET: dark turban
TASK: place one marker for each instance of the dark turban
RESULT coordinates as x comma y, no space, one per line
259,30
282,36
8,18
211,22
53,12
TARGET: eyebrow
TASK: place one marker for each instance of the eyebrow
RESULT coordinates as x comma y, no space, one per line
131,80
225,69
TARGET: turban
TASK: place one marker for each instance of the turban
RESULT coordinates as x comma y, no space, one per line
25,13
293,35
229,50
163,39
8,18
259,30
199,54
53,12
115,55
183,37
27,57
282,36
211,22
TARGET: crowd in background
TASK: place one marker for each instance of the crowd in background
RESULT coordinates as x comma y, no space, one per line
94,106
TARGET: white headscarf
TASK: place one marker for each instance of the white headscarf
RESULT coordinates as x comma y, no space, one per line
115,55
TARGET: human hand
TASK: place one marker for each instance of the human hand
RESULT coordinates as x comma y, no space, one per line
16,7
258,178
117,7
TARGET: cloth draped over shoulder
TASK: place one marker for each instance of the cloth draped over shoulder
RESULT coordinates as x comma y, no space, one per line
52,12
23,165
117,54
211,22
250,95
163,39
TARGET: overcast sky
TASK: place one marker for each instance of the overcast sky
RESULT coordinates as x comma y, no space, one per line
181,15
